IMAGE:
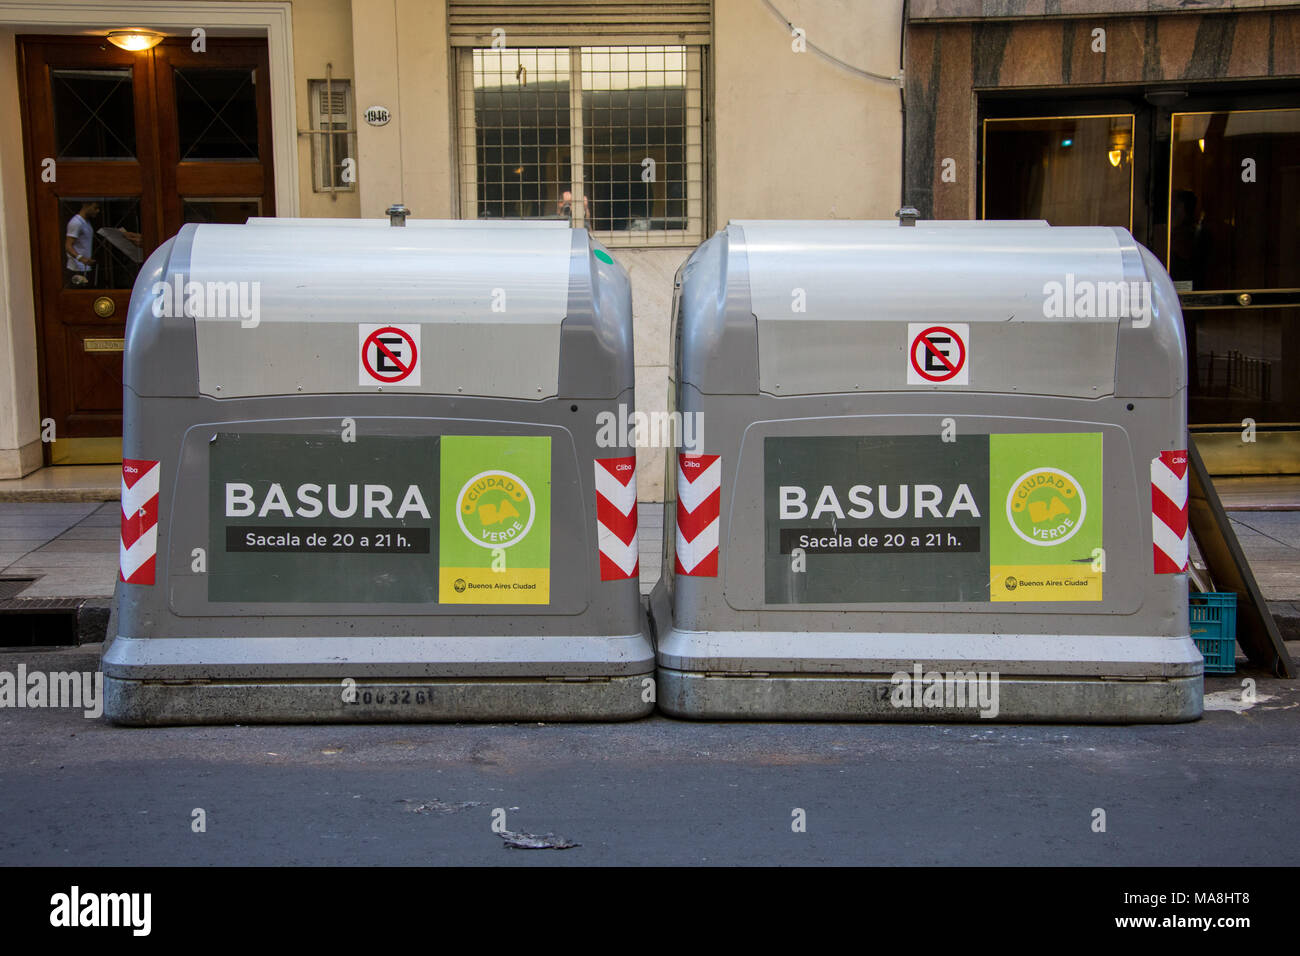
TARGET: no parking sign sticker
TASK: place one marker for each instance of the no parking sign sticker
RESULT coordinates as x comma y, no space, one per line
390,355
938,354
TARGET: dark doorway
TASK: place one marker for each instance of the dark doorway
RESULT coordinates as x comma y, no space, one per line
1211,181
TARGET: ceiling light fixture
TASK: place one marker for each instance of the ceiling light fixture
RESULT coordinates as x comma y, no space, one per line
134,40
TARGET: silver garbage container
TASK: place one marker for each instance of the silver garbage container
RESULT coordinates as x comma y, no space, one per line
362,478
943,479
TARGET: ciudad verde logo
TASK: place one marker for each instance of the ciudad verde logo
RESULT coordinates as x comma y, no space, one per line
495,509
1046,506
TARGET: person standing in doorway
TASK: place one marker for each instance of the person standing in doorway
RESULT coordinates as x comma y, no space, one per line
77,243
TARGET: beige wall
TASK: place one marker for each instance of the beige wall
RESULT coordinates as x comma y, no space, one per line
322,34
797,137
401,58
20,447
651,272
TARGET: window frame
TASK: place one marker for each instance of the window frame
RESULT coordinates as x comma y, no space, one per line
698,149
323,160
984,122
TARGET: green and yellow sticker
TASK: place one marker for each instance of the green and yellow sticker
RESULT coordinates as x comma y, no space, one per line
1045,537
495,520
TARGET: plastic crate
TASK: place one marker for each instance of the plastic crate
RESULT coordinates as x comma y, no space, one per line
1213,618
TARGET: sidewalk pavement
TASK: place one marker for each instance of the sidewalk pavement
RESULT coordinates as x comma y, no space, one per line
70,551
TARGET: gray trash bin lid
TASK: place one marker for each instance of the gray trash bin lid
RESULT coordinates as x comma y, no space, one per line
488,301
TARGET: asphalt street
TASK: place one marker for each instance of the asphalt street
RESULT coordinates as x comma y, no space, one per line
1219,791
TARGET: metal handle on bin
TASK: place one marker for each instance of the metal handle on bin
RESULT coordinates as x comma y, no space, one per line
397,214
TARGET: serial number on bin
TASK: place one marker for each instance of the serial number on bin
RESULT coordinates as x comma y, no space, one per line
391,697
328,540
880,540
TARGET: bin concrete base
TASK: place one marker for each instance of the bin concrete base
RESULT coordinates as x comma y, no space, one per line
871,697
136,703
261,680
822,675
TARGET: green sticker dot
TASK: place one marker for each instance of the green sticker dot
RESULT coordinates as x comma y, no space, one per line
604,257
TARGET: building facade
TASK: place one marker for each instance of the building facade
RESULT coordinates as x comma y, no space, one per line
652,124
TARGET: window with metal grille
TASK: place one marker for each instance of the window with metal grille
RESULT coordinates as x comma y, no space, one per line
610,138
332,136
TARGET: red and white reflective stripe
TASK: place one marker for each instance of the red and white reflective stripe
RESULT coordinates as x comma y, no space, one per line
137,555
616,518
1169,511
699,506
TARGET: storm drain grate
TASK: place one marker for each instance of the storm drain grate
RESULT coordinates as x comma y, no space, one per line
35,622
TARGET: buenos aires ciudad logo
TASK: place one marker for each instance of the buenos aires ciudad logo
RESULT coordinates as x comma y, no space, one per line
1046,506
495,509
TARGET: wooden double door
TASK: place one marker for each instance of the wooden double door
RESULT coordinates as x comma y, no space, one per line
122,149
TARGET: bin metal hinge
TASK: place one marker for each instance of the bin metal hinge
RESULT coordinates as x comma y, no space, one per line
738,674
